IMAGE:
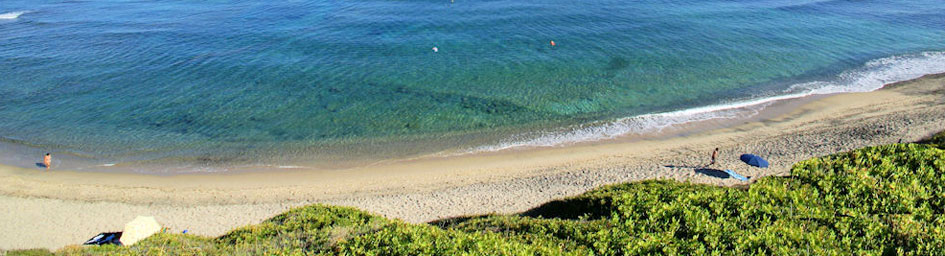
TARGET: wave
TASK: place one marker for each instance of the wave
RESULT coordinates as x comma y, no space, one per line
871,76
12,15
807,5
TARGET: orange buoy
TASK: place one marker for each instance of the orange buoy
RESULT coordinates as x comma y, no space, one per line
552,42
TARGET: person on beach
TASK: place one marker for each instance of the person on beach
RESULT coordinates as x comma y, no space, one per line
715,154
47,161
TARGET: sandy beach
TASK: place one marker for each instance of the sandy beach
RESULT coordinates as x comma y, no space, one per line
60,207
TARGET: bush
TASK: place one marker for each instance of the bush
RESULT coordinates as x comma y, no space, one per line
29,252
937,140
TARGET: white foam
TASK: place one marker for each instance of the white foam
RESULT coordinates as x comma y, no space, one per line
12,15
872,76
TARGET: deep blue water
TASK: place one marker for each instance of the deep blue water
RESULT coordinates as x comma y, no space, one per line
265,82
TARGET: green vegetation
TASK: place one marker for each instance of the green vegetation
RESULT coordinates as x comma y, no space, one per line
937,140
885,200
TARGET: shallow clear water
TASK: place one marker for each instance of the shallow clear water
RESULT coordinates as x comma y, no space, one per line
265,82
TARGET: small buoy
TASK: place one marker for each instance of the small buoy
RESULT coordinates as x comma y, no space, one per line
552,42
435,49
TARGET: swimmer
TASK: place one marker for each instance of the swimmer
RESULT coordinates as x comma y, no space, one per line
552,43
435,49
47,161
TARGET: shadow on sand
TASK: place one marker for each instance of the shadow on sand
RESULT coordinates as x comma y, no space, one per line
703,170
714,173
684,166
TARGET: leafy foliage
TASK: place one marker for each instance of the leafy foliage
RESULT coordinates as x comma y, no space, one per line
29,252
885,200
937,140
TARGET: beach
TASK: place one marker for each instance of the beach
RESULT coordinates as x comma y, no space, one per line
52,209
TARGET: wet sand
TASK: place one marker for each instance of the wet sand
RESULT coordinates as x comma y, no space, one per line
58,208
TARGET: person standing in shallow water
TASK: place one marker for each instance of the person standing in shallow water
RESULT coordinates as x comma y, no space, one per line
715,154
47,161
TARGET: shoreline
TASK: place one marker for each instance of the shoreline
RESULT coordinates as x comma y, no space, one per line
11,152
58,208
873,75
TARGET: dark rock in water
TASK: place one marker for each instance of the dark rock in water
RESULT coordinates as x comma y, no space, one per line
614,65
617,63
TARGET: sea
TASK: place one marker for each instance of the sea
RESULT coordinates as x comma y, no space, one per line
176,86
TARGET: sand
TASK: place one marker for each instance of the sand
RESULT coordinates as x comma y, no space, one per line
58,208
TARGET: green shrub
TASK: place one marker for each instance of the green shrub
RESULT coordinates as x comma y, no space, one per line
937,140
29,252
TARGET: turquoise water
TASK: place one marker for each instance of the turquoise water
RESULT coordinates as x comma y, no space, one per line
267,82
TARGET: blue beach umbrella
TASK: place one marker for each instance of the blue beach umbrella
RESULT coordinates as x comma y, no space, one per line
754,160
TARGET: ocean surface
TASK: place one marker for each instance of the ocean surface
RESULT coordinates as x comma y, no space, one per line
218,85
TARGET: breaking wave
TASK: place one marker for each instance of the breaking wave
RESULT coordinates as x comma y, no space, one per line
12,15
871,76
